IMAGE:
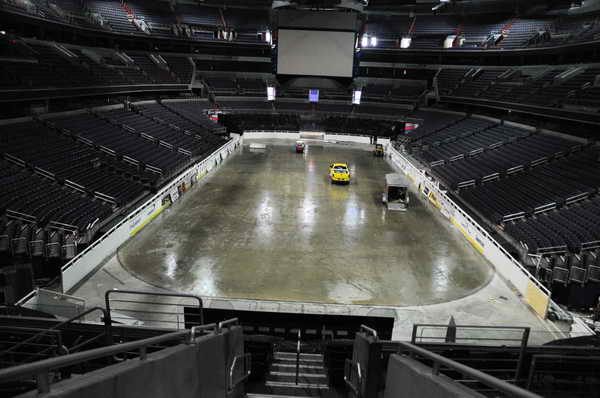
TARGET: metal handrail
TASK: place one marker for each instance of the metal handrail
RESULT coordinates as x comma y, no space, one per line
247,369
356,389
58,325
181,295
228,323
298,356
41,369
372,331
558,359
484,378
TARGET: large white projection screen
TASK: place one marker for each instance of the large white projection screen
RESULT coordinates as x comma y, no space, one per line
315,53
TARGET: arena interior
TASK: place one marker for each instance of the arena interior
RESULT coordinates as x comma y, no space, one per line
299,198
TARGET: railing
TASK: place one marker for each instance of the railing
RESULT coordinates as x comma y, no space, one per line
451,336
298,356
51,346
244,373
591,364
439,361
41,369
353,377
368,331
107,333
169,316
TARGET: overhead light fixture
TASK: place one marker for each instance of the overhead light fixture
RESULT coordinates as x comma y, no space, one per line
268,36
373,41
271,93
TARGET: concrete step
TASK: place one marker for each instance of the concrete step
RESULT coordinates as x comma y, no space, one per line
252,395
303,355
296,392
289,384
303,378
291,367
303,361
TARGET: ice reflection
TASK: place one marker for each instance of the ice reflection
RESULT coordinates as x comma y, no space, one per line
264,219
354,214
205,278
171,265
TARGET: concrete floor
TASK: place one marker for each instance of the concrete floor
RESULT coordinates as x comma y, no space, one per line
342,213
269,225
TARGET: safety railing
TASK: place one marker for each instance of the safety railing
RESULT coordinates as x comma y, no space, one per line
41,370
441,364
367,330
353,377
107,332
298,346
46,343
239,370
154,308
580,367
475,335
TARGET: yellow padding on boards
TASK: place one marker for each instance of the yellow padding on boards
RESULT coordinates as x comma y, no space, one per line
471,240
147,220
537,299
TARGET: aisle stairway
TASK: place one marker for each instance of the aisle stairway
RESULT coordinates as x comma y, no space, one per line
281,379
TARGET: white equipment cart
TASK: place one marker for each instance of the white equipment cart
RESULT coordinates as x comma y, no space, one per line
395,195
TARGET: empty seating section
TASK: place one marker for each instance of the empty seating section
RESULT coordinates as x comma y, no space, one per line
553,87
222,85
564,88
249,86
477,82
575,227
116,15
409,93
493,163
465,138
194,112
158,74
43,201
238,123
429,123
39,65
538,189
358,126
521,30
182,67
427,31
162,114
448,80
123,142
64,177
65,159
153,130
